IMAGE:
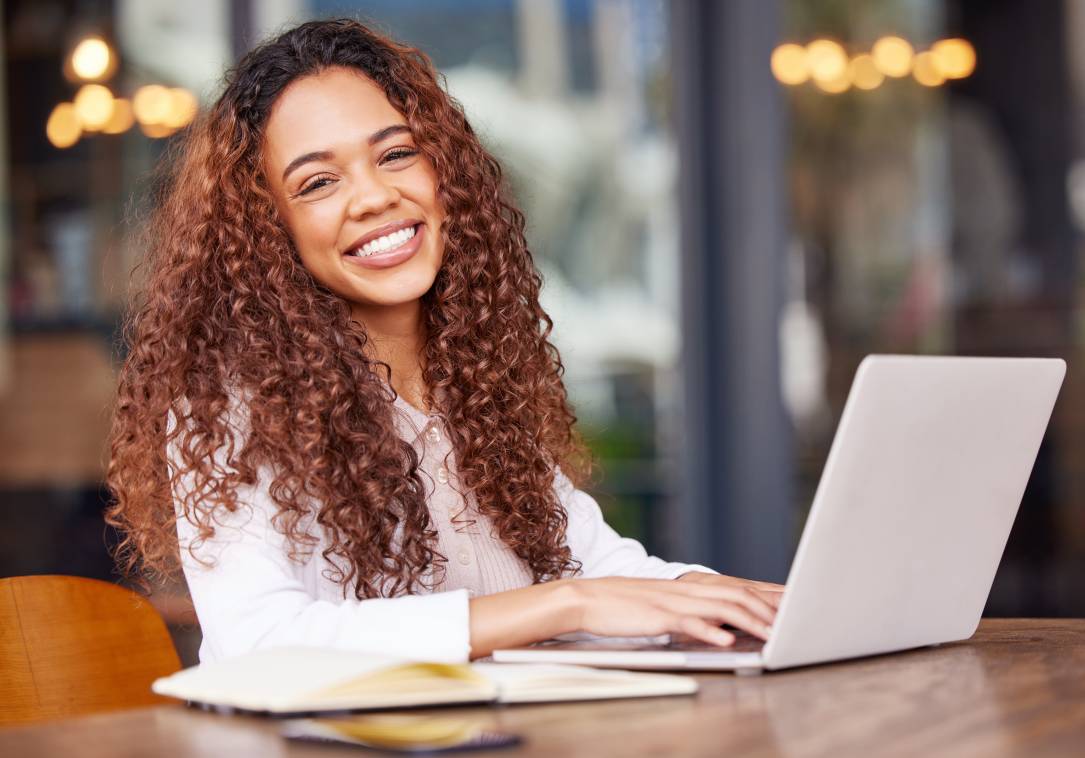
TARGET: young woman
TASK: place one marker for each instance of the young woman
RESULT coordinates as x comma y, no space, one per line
341,415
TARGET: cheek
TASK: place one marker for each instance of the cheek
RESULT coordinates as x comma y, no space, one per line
315,228
421,185
314,231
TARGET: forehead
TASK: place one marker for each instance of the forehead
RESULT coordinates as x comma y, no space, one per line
338,106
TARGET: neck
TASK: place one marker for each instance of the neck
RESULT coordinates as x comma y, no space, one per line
396,335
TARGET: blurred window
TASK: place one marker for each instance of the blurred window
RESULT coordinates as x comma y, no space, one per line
932,173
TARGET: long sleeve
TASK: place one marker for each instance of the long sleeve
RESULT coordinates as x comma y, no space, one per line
254,596
601,550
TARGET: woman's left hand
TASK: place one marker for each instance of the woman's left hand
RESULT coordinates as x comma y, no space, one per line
767,591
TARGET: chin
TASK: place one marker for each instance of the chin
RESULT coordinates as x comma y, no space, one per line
391,293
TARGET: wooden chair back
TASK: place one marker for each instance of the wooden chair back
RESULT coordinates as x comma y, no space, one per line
70,646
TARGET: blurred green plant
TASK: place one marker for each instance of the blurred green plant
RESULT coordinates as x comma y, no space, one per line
626,485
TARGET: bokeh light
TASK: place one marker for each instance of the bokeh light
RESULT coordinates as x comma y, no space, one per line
893,56
955,58
121,119
156,130
788,64
93,105
182,110
92,59
926,70
835,86
827,63
63,128
864,73
152,104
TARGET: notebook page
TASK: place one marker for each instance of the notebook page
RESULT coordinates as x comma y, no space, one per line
539,682
273,679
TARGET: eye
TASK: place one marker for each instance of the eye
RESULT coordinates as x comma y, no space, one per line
399,153
316,183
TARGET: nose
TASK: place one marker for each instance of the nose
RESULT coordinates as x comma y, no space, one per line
372,194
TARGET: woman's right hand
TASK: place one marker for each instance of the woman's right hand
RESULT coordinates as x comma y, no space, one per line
616,607
634,607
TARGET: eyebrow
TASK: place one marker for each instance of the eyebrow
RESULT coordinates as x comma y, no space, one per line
324,155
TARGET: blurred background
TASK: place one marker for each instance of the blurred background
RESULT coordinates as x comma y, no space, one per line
731,203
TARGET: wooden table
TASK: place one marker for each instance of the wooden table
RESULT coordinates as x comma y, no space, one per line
1016,688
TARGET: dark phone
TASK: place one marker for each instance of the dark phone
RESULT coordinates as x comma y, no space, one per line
308,730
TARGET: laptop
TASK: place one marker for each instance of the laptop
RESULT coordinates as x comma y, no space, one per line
908,524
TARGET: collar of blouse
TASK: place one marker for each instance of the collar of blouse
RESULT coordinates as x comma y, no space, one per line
411,423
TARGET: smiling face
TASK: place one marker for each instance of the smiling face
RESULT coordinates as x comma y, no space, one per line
359,200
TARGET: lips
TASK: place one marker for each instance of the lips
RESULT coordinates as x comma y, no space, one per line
380,231
388,259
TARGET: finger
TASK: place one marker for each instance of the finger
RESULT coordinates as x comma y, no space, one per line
698,628
738,582
767,586
730,613
744,596
759,605
681,637
739,617
770,597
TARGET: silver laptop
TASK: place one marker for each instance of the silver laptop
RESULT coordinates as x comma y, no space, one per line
908,525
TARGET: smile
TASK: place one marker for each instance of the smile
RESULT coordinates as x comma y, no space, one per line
386,243
388,250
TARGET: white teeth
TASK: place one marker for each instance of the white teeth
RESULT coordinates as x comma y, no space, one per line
387,242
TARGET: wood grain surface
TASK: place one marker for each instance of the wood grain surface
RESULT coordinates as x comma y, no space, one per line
1016,688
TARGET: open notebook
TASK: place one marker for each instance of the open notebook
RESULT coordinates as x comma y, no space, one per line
300,680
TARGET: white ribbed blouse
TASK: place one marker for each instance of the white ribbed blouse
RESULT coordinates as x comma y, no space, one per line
249,593
477,560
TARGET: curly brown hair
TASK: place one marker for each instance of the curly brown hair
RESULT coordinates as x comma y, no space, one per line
228,310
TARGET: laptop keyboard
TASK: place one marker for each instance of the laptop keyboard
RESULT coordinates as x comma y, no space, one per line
744,643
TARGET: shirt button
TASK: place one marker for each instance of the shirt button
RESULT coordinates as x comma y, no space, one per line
434,434
463,556
442,475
